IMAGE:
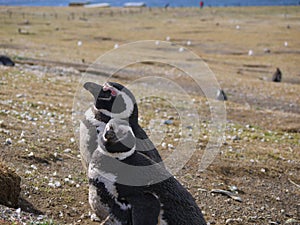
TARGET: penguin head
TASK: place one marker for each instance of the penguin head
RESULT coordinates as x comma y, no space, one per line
113,100
118,139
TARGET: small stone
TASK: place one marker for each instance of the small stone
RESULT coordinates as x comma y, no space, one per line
94,218
235,138
168,122
33,167
18,211
170,146
68,150
8,141
57,184
291,221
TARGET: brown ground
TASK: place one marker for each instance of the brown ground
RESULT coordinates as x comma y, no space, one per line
261,153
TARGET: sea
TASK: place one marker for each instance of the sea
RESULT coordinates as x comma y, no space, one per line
156,3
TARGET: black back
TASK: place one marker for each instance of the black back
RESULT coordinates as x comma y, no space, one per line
6,61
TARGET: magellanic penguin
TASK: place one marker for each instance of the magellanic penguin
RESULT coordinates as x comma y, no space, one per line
112,100
277,76
221,96
115,164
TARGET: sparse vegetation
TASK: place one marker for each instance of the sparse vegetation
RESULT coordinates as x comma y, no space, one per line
260,154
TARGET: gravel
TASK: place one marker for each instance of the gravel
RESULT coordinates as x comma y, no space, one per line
17,216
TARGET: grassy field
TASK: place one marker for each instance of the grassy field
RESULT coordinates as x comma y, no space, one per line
260,153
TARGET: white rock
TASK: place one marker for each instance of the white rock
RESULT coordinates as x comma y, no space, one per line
68,150
8,141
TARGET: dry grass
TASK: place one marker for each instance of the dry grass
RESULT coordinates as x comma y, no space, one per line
265,116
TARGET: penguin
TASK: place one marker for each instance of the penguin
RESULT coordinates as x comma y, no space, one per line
115,162
221,95
112,100
277,76
6,61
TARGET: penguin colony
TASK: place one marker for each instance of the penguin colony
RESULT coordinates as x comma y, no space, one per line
111,141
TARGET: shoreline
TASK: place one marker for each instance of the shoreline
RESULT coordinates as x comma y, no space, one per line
151,7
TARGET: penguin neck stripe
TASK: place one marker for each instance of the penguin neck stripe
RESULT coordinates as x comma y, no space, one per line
117,155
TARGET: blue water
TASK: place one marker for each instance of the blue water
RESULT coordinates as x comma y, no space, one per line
155,3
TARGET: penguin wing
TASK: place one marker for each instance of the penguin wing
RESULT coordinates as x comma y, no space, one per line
145,209
145,146
87,142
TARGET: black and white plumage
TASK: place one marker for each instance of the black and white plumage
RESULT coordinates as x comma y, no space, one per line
112,100
221,96
277,76
116,162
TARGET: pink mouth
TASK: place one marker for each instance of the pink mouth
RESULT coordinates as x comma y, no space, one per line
112,90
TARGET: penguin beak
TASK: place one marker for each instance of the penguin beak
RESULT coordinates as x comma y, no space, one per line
110,135
93,88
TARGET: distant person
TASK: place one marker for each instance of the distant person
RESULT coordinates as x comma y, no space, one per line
201,4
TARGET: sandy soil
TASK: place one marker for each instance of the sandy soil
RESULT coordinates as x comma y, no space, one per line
260,153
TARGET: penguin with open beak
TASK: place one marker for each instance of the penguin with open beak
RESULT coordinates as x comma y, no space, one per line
112,100
118,167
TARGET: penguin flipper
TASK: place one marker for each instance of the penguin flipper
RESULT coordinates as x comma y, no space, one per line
145,209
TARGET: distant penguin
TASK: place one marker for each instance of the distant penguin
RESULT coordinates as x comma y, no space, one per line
6,61
116,160
221,95
277,76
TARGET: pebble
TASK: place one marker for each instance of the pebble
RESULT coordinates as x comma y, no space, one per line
8,141
94,218
168,122
68,150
